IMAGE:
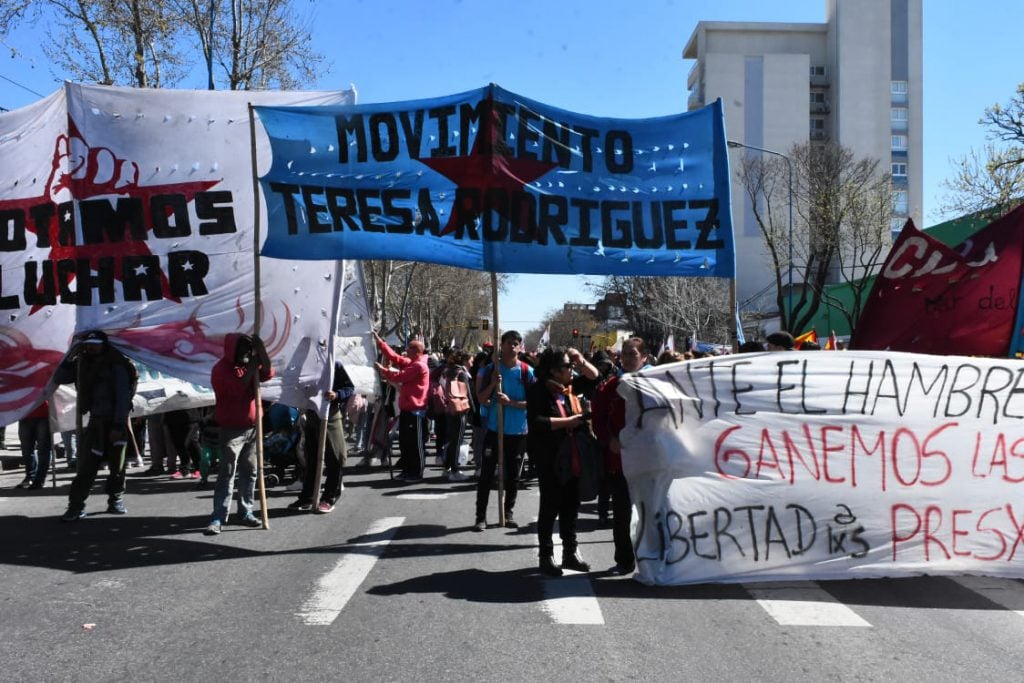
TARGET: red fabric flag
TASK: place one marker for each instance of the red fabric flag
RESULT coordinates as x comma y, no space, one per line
930,298
832,344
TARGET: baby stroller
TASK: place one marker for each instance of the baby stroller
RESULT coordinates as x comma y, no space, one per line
280,449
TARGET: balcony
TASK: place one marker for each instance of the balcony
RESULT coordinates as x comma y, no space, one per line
694,101
820,107
819,81
819,135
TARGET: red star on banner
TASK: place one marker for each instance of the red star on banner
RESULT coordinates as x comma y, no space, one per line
82,181
488,168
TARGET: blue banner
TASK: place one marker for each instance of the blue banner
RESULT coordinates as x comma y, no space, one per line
493,181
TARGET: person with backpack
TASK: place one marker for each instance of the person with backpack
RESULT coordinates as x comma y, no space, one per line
105,381
456,405
516,376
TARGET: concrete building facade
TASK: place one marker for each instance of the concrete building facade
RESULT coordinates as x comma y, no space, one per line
855,79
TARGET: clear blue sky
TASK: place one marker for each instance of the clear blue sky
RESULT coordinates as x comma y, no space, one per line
602,57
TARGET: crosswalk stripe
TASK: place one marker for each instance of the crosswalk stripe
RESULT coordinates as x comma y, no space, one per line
570,600
803,604
1004,592
336,587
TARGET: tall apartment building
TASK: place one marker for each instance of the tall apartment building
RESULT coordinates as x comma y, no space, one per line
855,79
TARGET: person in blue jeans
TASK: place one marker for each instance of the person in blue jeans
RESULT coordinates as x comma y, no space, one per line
234,388
36,446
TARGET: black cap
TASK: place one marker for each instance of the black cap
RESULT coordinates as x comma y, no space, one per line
94,337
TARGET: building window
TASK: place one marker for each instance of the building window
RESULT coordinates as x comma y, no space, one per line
817,98
817,124
899,114
817,70
899,169
899,87
900,201
899,143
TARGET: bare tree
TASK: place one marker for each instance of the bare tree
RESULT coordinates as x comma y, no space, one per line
128,42
991,182
843,208
438,303
259,44
696,307
264,44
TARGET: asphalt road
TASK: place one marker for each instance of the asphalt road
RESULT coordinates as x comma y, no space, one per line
394,585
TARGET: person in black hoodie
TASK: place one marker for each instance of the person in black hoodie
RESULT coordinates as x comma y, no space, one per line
105,381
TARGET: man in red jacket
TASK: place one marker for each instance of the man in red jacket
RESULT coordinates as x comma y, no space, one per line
411,374
235,413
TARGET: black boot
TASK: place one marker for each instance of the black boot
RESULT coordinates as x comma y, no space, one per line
548,566
573,560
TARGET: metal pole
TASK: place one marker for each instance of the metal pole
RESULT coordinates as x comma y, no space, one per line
789,167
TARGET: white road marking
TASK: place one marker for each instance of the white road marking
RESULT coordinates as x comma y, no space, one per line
1004,592
336,587
570,599
804,604
423,496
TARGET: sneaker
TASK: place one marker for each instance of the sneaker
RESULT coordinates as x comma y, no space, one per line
294,486
457,476
510,521
73,514
623,569
195,474
36,485
480,525
24,483
251,520
178,475
300,504
324,507
212,529
116,507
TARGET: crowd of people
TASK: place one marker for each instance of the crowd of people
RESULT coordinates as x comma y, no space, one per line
556,416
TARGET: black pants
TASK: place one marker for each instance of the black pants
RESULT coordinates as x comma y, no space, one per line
622,510
455,431
412,436
557,501
95,445
513,445
185,439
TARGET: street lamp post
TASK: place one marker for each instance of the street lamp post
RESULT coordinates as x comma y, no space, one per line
789,166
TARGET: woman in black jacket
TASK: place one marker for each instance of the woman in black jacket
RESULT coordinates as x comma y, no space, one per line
553,413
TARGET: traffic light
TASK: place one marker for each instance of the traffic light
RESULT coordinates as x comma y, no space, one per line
575,333
485,324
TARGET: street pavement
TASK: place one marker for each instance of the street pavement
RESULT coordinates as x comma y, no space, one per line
394,585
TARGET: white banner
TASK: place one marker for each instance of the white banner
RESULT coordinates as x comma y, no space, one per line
131,211
807,465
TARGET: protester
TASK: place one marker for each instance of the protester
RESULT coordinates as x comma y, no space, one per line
412,376
36,446
105,382
234,389
554,412
780,341
751,347
334,450
182,427
609,419
453,374
516,377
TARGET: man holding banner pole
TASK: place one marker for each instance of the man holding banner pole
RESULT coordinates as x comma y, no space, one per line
235,384
504,387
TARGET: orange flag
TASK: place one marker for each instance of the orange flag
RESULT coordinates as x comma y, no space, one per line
832,344
811,336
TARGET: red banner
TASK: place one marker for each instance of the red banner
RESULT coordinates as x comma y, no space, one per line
931,298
